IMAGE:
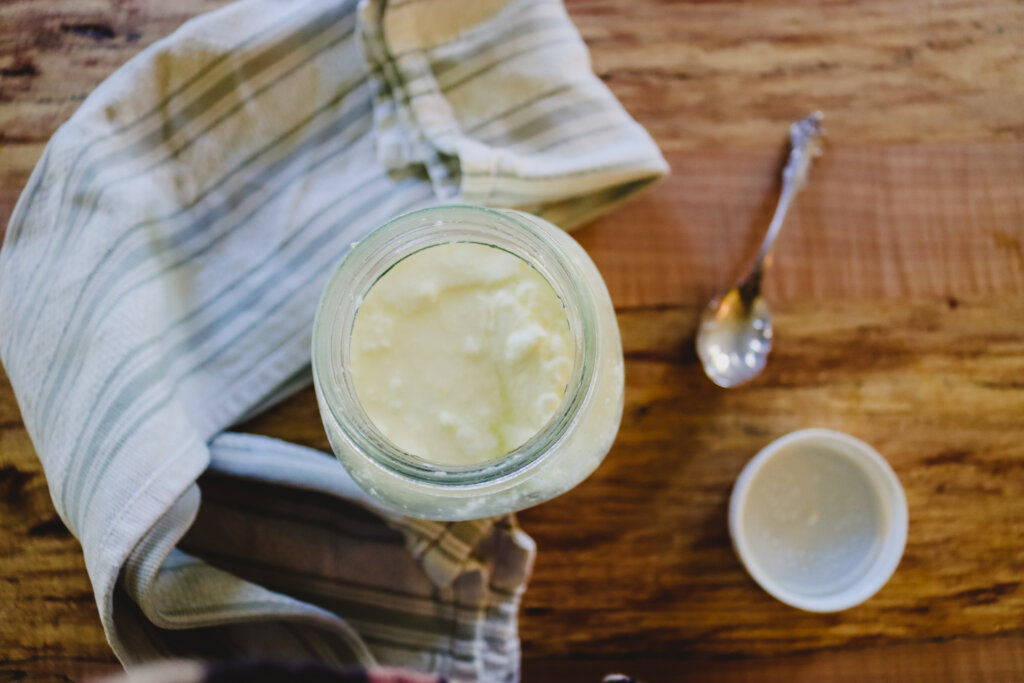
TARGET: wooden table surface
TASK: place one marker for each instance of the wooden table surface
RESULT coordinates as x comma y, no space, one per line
899,290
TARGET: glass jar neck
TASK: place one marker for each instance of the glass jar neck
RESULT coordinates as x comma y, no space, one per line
371,258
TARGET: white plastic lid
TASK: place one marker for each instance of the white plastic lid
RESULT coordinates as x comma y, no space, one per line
819,519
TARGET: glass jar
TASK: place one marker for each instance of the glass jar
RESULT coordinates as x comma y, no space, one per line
562,454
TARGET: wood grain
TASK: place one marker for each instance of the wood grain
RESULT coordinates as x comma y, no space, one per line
875,222
993,659
899,286
702,74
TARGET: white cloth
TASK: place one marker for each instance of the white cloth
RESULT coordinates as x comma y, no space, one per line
158,284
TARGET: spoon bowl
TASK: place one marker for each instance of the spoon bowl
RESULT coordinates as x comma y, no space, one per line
733,343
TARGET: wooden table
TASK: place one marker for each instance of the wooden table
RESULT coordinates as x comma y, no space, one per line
899,290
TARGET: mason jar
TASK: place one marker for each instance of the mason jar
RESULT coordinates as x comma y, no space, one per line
558,457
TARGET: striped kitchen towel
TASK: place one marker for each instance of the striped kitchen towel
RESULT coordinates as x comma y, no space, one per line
158,283
257,671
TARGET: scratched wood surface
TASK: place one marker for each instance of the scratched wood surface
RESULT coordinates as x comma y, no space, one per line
899,286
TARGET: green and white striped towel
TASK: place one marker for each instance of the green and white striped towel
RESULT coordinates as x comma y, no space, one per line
158,284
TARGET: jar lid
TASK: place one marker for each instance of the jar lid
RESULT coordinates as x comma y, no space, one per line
819,520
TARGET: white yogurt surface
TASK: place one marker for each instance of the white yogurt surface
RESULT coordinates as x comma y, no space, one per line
460,353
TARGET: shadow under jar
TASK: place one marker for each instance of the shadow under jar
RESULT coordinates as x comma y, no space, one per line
558,456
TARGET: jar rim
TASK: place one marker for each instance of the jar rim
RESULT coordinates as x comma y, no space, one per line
368,261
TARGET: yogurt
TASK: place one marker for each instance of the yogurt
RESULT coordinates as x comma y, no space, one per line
467,363
460,353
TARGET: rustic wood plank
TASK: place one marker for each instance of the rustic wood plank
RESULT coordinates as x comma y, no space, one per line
47,608
729,73
995,659
875,222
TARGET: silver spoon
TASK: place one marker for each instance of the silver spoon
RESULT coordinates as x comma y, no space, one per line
735,333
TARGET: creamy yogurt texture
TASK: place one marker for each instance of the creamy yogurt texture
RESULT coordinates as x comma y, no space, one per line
460,353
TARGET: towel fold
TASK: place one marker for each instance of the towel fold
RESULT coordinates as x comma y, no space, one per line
158,283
